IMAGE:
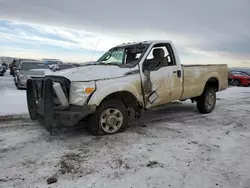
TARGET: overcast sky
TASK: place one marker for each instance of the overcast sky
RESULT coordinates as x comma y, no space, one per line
208,31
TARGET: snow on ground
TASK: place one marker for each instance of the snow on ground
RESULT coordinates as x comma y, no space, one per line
173,146
13,101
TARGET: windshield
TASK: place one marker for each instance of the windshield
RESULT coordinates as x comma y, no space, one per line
240,73
29,66
123,56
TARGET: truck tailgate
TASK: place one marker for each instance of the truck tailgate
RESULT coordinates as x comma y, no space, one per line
196,76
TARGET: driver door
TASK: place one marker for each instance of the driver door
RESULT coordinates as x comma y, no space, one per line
161,78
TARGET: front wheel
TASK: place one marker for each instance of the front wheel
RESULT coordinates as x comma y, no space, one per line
110,117
236,83
207,101
18,85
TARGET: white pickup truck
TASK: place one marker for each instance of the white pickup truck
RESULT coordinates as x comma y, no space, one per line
124,81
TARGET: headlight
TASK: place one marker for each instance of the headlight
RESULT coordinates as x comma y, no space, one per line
80,91
21,77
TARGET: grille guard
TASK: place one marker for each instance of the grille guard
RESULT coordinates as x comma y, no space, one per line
40,98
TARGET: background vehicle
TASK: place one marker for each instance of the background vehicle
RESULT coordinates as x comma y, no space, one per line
16,63
2,70
11,66
27,69
63,67
5,66
127,79
239,78
52,63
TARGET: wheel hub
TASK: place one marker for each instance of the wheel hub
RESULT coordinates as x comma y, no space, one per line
111,120
210,101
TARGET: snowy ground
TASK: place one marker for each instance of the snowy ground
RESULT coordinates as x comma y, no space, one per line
13,101
173,147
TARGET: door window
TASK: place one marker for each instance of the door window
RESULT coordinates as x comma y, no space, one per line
160,56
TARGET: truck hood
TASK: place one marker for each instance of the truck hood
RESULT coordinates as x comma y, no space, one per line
92,72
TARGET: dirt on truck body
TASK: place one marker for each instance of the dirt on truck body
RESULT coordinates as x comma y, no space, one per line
124,81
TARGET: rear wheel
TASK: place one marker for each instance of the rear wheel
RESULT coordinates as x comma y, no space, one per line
110,117
207,101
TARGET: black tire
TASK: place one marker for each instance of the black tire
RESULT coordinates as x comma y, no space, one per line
94,123
203,105
237,83
18,85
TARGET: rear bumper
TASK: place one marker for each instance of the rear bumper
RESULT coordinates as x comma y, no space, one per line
43,103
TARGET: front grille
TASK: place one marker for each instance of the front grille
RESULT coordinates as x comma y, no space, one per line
39,87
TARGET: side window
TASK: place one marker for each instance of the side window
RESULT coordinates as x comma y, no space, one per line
132,57
161,55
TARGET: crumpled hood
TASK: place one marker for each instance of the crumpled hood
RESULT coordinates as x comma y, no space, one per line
92,72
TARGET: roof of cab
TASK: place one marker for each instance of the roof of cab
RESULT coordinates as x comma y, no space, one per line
144,42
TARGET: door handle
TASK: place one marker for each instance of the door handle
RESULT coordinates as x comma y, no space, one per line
178,72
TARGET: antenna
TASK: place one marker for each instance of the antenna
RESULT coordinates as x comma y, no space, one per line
95,49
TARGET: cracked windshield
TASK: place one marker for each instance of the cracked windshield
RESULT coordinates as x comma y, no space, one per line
118,94
127,55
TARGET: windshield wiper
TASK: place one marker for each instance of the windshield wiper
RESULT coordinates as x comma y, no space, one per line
105,64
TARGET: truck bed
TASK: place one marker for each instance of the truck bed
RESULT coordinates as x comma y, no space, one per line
196,76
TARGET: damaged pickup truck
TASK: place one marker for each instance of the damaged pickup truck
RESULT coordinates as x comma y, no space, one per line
126,80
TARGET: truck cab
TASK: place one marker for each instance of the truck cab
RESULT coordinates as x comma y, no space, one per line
125,80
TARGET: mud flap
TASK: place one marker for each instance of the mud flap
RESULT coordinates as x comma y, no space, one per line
48,105
31,100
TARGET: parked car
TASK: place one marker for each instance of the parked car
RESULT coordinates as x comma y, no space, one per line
28,69
5,66
11,66
239,78
16,63
126,80
63,67
2,70
52,63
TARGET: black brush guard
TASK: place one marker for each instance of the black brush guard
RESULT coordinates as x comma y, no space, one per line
43,104
40,99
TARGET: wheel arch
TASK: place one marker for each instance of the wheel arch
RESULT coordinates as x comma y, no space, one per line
212,82
124,91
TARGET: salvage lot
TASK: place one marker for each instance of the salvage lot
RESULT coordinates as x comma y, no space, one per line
172,147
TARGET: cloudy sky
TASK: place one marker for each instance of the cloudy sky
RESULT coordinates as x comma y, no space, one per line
214,31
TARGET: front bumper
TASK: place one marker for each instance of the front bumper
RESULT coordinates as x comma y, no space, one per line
44,105
22,84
